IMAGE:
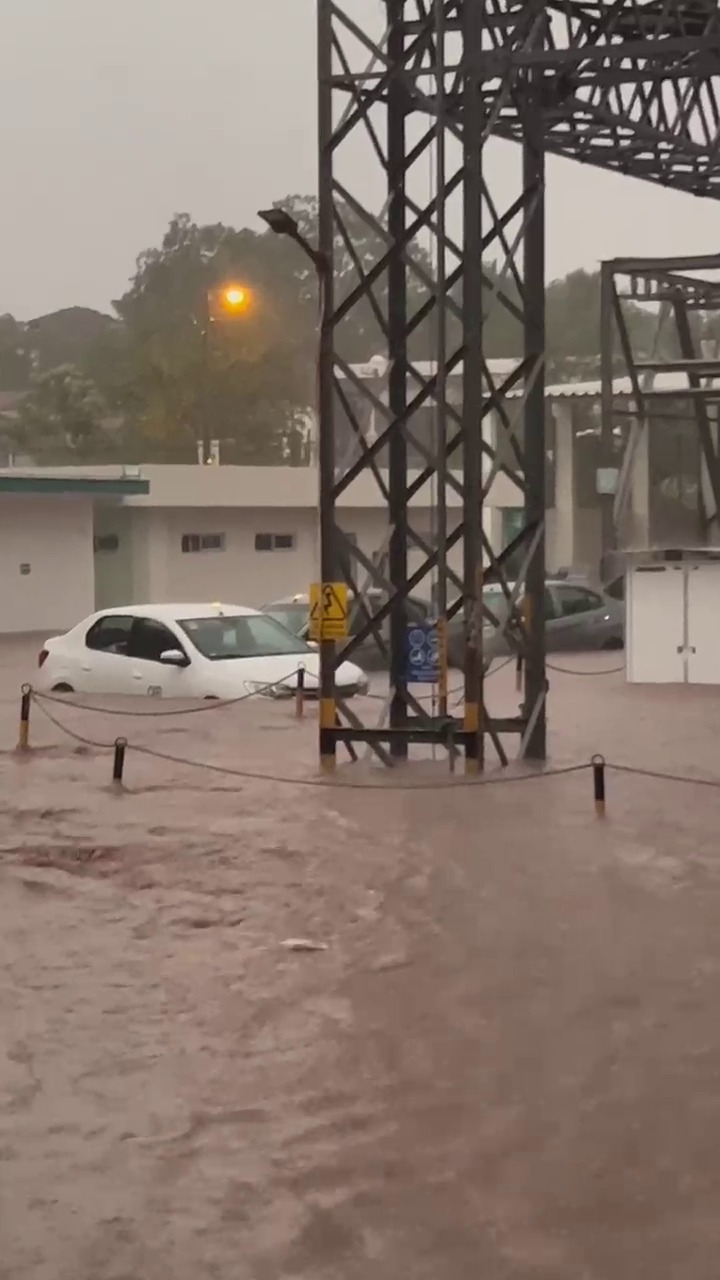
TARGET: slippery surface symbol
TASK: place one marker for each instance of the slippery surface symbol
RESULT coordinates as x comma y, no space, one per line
502,1064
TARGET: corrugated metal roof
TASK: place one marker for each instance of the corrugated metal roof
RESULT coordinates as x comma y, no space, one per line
662,382
672,381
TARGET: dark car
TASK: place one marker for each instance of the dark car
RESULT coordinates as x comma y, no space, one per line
292,612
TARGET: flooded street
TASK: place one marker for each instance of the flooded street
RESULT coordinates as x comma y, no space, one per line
504,1065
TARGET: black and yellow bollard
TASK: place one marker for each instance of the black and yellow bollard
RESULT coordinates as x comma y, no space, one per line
24,726
300,693
119,761
598,768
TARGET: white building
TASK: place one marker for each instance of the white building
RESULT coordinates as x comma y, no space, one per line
72,540
47,529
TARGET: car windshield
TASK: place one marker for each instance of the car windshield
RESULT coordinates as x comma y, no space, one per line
294,617
495,601
252,635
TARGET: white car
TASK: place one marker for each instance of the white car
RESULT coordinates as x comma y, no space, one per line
184,651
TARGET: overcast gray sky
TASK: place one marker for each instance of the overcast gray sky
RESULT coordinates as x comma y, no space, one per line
114,116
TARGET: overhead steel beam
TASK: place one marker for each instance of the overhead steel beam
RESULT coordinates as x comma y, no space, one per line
417,88
686,305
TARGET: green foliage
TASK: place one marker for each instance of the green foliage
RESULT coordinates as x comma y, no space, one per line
63,420
189,374
164,374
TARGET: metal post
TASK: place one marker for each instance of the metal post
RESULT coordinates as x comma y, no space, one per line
534,415
206,379
397,378
607,505
441,433
326,398
473,121
24,727
119,760
598,768
300,693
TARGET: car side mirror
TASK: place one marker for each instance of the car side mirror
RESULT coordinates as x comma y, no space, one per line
173,658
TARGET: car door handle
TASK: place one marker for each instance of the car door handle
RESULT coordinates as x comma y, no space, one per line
137,675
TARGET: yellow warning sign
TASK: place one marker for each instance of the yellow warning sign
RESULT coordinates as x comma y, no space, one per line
328,611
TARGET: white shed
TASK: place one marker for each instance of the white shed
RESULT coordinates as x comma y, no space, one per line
673,616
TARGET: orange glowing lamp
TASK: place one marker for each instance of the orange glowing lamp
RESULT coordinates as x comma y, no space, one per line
230,300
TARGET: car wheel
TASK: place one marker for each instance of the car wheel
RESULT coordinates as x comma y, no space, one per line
62,687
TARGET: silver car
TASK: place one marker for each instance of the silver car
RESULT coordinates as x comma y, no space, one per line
577,617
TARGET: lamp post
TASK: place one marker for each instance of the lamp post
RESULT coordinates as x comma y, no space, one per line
224,302
283,224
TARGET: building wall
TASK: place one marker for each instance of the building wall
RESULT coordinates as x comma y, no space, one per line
239,573
236,572
113,556
54,537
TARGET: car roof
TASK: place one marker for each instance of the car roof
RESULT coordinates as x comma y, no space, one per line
178,612
302,597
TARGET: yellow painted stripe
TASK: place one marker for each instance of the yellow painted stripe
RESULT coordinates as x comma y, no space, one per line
327,764
471,722
328,712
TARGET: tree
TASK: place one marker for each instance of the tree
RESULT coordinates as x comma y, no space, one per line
358,247
15,361
192,375
63,420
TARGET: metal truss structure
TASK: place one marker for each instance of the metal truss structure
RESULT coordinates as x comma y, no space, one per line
684,294
411,95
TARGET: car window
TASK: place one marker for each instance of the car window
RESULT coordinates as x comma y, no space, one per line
576,600
292,616
110,634
150,639
371,602
496,601
253,635
417,610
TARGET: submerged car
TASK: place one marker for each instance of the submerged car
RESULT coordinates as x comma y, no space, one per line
293,613
577,618
184,651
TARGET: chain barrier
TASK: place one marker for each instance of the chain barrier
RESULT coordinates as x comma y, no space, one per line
597,764
221,704
215,704
572,671
459,688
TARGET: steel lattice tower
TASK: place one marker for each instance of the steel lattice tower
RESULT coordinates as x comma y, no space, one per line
422,86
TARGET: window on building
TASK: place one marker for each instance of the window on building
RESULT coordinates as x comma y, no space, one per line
202,542
274,541
106,542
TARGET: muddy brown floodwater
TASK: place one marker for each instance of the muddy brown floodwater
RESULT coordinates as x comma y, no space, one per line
505,1066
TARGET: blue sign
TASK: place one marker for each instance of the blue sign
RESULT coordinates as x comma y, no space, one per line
422,653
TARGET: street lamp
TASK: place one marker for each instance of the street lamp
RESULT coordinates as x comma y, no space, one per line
229,300
224,304
282,223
